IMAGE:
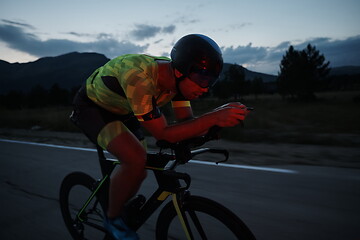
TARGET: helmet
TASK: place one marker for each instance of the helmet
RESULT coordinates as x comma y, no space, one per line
199,58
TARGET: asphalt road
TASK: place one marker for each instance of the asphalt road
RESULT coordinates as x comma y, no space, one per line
305,203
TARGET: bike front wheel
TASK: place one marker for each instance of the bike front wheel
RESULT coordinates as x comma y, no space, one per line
82,207
207,220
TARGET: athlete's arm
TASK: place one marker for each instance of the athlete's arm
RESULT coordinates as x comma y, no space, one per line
182,110
160,129
225,116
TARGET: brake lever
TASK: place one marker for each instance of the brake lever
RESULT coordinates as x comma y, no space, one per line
242,125
221,151
212,150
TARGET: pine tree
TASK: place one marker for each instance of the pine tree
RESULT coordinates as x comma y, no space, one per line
301,72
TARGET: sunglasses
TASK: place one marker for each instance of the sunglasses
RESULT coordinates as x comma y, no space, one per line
202,79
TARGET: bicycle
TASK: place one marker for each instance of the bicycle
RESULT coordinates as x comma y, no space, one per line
199,217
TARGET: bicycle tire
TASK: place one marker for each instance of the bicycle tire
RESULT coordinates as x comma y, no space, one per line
222,221
74,191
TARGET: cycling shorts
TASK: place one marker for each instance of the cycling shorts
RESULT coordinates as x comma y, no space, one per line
100,125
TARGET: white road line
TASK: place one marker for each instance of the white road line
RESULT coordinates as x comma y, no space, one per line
48,145
278,170
268,169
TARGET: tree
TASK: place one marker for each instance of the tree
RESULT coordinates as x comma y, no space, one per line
58,96
301,73
233,83
236,78
257,86
13,100
221,89
37,97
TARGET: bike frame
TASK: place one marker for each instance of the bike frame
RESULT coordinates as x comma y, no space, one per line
169,183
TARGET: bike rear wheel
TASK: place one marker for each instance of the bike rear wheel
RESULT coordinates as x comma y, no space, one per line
207,220
75,191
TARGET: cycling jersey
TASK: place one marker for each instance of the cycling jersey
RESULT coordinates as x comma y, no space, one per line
125,86
128,84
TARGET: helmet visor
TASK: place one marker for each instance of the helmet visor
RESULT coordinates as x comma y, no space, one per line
202,79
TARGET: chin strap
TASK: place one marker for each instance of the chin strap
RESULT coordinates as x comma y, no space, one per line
177,81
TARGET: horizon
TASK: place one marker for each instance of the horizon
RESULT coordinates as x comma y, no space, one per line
253,34
248,69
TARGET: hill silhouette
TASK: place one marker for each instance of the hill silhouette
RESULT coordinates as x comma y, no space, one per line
250,75
70,70
345,70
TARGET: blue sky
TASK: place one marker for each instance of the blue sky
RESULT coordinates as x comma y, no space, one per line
253,33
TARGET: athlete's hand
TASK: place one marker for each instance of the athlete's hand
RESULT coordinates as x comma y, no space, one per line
230,114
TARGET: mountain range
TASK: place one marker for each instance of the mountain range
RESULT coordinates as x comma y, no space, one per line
70,70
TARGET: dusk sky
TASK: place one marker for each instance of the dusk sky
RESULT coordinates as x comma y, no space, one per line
253,33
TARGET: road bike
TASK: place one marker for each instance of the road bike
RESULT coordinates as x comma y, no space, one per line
84,200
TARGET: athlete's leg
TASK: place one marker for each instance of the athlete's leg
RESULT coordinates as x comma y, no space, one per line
108,131
126,180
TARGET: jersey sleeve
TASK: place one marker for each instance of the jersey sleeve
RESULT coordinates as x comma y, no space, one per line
139,91
180,101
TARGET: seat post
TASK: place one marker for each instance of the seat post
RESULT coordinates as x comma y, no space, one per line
100,152
105,165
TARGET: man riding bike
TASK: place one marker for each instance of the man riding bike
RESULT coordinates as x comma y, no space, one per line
126,93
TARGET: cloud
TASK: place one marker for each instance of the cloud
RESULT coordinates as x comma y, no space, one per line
89,36
144,31
267,59
338,52
158,41
169,29
238,26
243,54
185,20
76,34
20,36
18,24
17,38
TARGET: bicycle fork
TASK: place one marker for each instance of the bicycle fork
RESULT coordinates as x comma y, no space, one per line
169,182
178,199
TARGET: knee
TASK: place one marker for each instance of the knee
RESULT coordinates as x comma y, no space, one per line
136,166
139,166
137,160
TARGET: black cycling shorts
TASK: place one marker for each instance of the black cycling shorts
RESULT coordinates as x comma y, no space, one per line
100,125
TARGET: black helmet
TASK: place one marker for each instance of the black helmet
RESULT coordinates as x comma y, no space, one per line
199,58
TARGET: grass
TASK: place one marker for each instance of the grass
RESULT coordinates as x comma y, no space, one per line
333,113
332,120
56,118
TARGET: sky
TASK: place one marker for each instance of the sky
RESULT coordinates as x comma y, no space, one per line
254,34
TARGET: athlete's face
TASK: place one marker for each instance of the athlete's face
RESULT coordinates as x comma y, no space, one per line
191,90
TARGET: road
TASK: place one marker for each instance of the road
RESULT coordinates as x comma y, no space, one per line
303,202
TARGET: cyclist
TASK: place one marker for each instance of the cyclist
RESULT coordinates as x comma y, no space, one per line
126,93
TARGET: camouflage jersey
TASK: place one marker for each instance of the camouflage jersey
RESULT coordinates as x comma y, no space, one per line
128,84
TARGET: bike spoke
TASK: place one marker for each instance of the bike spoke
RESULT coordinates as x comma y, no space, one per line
81,207
197,224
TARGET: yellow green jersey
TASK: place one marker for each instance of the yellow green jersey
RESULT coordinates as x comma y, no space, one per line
128,84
